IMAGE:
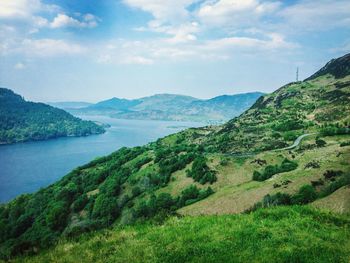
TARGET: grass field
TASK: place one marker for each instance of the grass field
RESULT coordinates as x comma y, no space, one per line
279,234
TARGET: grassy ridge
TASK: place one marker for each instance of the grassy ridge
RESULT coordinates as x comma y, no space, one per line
281,234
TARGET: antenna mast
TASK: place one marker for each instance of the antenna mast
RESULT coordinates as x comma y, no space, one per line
297,74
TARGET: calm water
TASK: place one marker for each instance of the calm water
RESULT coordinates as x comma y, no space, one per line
26,167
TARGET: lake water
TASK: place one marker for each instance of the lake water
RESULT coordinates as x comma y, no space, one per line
26,167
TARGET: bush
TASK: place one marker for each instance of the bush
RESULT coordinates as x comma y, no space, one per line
200,171
192,194
343,144
333,186
271,170
320,143
56,216
80,203
306,194
105,209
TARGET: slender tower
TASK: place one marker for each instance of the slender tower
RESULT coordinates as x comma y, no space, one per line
297,74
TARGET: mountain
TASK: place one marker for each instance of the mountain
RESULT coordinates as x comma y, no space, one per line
69,104
280,163
22,121
174,107
114,104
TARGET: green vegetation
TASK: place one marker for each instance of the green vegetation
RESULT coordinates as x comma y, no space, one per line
270,170
280,234
308,193
200,171
22,121
343,144
165,178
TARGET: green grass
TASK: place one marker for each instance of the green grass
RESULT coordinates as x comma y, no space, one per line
281,234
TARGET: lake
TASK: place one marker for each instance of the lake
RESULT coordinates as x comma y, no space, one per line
26,167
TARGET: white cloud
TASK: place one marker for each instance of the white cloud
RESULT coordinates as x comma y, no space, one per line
163,10
24,9
49,48
18,8
236,13
317,15
163,49
137,60
19,66
62,20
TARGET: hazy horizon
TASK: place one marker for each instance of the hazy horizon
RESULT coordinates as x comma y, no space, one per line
60,50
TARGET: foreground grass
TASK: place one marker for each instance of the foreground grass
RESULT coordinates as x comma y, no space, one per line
280,234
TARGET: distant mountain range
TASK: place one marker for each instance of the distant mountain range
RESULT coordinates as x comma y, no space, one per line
22,120
168,107
70,104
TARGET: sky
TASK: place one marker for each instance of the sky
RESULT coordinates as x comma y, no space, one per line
90,50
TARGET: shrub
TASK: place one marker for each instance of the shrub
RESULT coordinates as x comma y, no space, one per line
80,203
343,144
271,170
320,143
200,171
306,194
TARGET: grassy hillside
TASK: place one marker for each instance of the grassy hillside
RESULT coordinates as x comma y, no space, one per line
237,167
22,121
283,234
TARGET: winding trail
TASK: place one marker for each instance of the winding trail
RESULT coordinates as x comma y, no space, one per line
295,144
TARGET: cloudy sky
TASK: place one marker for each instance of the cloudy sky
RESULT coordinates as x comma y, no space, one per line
88,50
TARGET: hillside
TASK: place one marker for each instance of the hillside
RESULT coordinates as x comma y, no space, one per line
274,235
174,107
241,166
22,121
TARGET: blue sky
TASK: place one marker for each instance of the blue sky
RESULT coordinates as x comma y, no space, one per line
89,50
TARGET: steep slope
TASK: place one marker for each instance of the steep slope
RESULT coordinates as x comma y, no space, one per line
274,235
21,121
226,169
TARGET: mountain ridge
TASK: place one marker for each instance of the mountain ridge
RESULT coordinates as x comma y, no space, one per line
173,107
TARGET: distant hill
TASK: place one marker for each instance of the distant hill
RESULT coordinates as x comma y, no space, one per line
22,121
174,107
69,104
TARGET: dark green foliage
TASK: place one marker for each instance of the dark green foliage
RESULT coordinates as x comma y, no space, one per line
343,144
200,171
170,162
271,170
192,194
28,121
332,130
335,185
105,209
320,143
156,204
164,203
288,125
80,203
305,195
56,215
